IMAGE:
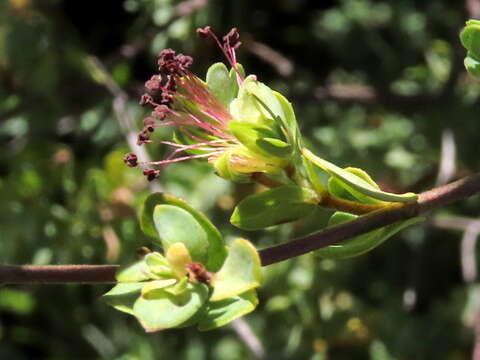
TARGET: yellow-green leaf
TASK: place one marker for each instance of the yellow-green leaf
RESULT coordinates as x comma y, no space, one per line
240,272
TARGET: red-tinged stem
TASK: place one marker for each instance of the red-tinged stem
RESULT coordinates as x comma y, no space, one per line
429,200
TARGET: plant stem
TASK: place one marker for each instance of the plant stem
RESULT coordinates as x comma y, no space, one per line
57,274
431,199
428,200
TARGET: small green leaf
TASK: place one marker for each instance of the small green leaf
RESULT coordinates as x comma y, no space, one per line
267,98
253,137
136,272
354,183
363,243
158,265
274,147
173,220
154,289
289,122
219,313
470,38
123,296
219,82
179,287
167,311
274,206
175,224
336,187
240,272
472,66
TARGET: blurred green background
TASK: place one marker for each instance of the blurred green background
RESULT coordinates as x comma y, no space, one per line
375,84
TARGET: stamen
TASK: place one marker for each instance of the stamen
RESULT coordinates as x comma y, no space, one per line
131,160
230,44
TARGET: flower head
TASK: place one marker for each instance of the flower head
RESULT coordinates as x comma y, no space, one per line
234,121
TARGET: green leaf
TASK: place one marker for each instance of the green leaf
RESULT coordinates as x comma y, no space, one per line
470,38
274,206
472,66
136,272
219,313
173,220
260,139
336,187
354,183
158,265
289,122
363,243
167,311
153,289
240,272
267,98
220,83
274,147
175,224
123,296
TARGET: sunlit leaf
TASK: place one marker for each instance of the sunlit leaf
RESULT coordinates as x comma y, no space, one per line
167,311
363,243
123,296
172,220
240,272
356,183
274,206
219,313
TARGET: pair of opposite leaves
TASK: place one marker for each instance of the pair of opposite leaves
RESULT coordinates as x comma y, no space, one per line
160,297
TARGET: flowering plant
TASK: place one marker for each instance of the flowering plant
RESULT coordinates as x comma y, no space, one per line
248,133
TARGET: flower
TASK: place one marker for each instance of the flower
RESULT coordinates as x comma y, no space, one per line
237,123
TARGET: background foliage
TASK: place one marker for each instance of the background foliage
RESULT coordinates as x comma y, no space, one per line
375,84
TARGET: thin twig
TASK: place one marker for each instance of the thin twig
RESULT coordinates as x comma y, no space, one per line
447,168
473,8
280,62
428,200
246,334
57,274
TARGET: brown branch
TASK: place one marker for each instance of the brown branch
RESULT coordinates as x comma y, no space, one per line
431,199
428,200
57,274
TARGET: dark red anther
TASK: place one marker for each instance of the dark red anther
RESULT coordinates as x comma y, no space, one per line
155,83
206,31
232,39
143,137
160,112
151,174
170,63
131,160
146,99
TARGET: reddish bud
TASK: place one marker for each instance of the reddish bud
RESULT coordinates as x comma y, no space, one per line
198,273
